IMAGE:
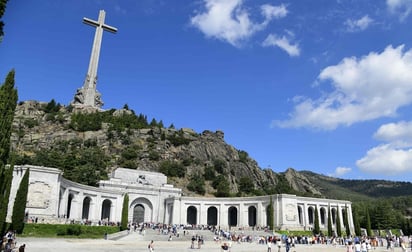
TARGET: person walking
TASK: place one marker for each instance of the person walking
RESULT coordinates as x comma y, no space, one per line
151,246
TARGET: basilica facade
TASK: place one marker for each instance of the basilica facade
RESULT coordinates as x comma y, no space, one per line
54,199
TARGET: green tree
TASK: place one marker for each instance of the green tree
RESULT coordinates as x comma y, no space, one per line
338,225
356,222
8,103
330,230
316,228
346,222
246,185
2,10
197,184
270,214
368,223
19,207
125,213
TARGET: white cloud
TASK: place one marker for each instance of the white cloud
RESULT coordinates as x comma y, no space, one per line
401,7
340,171
270,12
386,159
363,89
283,43
397,134
358,25
227,20
393,157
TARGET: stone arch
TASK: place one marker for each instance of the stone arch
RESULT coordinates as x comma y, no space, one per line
311,215
322,216
69,204
212,216
141,206
191,215
333,213
300,214
86,208
106,207
252,216
232,216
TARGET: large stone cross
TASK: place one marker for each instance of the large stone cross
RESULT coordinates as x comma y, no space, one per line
88,95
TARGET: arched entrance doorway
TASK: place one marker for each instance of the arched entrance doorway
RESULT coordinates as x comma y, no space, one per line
252,216
191,215
106,205
311,215
212,216
232,216
138,214
86,208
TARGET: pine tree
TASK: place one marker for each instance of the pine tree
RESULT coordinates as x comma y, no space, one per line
338,225
8,103
356,222
269,214
2,10
316,228
346,222
125,212
330,231
19,208
368,223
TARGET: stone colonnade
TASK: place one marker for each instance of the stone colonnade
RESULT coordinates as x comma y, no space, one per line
53,198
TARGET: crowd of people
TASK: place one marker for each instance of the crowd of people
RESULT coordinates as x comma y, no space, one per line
9,243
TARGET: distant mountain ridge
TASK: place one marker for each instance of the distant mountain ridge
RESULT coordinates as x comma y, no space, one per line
53,135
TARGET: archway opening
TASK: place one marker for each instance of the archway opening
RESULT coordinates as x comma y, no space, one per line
106,205
333,216
191,215
252,216
300,215
311,215
232,216
212,216
69,205
86,208
322,216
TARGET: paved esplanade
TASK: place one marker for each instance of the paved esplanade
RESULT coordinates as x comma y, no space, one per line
135,242
89,92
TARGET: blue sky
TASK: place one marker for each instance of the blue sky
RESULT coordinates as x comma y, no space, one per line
316,85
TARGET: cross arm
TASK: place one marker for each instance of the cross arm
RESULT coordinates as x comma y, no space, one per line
91,22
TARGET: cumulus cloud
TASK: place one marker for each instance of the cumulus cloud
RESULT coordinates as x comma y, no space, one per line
363,89
395,155
386,159
283,43
229,21
359,24
400,7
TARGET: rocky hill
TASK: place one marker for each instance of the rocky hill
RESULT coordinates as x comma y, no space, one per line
87,145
